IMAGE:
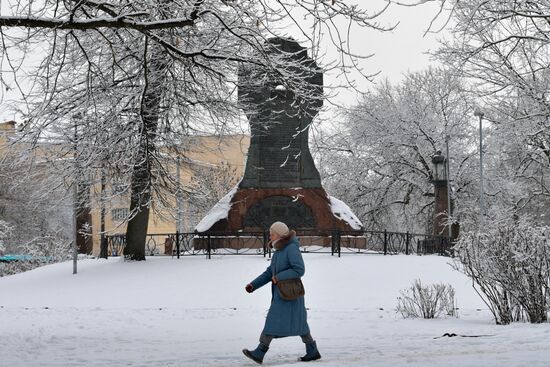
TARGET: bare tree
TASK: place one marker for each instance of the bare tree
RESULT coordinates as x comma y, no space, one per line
379,157
35,207
503,49
209,184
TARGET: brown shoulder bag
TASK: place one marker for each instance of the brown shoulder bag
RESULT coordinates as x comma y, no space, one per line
291,289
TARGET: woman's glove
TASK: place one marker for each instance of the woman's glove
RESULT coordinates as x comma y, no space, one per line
249,288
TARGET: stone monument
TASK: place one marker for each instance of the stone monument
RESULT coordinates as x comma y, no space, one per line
281,181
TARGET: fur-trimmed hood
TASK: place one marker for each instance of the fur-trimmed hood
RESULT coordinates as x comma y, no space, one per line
283,241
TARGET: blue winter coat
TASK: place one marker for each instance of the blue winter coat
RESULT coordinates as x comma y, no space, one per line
285,318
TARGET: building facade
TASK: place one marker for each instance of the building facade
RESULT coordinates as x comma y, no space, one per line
208,167
202,170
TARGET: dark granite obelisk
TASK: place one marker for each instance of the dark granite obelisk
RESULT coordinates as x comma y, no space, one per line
281,181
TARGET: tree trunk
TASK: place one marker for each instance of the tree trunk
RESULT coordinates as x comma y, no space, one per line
136,232
141,184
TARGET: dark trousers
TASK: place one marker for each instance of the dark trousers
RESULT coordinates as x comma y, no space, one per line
266,339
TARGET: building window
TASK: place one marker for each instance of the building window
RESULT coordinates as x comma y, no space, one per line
120,214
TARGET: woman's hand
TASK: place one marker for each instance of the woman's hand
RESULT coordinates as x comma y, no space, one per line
249,288
274,279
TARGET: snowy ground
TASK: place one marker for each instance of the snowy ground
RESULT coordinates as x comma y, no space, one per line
195,312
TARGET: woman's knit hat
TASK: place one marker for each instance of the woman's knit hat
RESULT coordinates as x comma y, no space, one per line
279,228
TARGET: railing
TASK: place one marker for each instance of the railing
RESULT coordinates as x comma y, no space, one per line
312,241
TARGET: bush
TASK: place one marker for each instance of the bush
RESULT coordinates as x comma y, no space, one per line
5,231
17,267
510,268
45,249
427,302
51,246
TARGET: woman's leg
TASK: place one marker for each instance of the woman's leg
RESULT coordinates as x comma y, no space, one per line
258,354
307,338
265,339
312,353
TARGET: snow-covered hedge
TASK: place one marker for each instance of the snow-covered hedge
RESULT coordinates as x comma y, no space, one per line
510,268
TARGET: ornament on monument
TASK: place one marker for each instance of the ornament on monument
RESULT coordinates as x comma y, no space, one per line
280,181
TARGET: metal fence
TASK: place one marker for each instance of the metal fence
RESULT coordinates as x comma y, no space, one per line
335,242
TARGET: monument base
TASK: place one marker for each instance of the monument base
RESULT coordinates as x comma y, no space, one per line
255,209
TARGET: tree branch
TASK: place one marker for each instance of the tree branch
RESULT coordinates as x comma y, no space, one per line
117,22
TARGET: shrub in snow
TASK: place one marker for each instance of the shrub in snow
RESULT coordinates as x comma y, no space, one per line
51,247
17,267
5,231
427,302
509,265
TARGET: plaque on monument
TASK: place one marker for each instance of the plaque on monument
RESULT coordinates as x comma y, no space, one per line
279,208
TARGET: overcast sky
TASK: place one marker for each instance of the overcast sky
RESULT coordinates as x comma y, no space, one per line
399,51
396,52
404,48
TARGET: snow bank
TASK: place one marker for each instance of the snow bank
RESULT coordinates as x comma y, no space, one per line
344,212
218,212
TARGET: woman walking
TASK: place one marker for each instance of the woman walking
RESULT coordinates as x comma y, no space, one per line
285,317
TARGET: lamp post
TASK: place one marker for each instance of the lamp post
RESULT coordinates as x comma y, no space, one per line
441,193
479,113
102,241
179,198
76,117
449,192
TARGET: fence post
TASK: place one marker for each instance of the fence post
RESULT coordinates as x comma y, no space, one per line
339,242
209,248
385,242
265,242
407,242
177,244
332,242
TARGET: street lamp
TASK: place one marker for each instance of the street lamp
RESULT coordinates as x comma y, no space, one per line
76,117
449,192
440,172
179,197
479,113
